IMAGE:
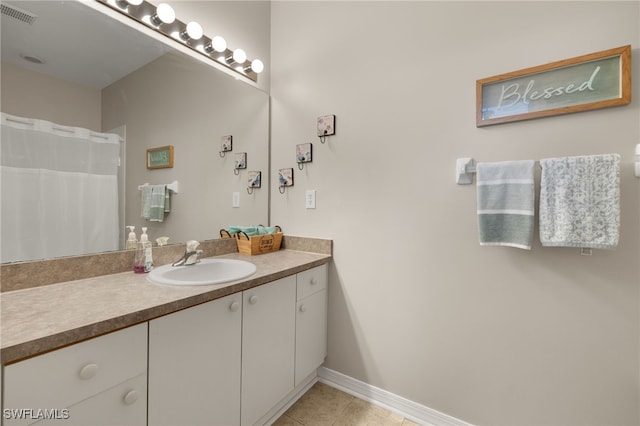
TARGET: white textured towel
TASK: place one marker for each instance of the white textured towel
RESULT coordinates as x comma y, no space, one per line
580,201
145,201
506,203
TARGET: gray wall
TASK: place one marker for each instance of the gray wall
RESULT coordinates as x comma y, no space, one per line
31,94
490,335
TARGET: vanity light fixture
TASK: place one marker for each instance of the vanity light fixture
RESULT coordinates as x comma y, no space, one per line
163,20
193,31
164,15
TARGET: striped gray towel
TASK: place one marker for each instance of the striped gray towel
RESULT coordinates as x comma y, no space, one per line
580,201
506,203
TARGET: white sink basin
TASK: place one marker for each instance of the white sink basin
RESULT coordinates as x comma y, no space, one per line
207,271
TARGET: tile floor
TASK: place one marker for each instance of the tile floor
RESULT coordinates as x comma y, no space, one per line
323,405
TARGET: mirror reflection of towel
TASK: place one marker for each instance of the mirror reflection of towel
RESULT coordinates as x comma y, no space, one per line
505,197
580,201
155,201
145,201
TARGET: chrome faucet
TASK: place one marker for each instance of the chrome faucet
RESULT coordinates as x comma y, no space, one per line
191,255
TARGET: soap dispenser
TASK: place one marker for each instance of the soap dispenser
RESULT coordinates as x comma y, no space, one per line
144,259
132,241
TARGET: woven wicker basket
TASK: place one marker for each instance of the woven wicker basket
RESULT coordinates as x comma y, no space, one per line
255,244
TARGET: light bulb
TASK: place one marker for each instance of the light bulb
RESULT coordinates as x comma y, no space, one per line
193,31
164,14
219,44
257,66
239,56
134,2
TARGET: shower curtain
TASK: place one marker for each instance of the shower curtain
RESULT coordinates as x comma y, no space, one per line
59,190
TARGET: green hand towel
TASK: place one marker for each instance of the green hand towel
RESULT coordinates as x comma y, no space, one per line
252,230
156,212
505,192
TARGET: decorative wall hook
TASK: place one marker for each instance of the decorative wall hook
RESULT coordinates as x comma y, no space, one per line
255,181
240,163
326,127
285,178
226,145
304,154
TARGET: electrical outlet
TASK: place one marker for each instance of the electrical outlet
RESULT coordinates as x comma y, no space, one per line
310,199
236,200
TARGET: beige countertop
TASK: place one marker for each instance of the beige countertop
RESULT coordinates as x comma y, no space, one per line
40,319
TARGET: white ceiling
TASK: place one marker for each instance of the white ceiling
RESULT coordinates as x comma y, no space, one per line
77,43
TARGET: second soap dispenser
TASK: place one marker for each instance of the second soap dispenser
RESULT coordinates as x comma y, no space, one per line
144,257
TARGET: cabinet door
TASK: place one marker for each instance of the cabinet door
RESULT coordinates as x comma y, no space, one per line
311,334
268,332
194,365
62,378
122,405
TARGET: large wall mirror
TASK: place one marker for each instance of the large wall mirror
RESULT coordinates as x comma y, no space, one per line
76,67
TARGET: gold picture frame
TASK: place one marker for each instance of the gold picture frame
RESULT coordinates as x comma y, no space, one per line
160,158
597,80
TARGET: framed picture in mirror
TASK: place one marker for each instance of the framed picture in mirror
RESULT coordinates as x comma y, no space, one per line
160,158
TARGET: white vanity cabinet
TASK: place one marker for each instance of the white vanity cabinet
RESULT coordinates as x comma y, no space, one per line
268,347
101,381
311,321
194,365
234,360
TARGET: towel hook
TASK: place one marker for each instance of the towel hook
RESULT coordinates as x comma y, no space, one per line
326,126
255,181
240,162
304,154
226,144
285,178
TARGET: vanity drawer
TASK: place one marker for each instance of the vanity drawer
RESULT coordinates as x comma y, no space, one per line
63,377
311,281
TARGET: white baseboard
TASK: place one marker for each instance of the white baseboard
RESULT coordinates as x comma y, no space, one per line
406,408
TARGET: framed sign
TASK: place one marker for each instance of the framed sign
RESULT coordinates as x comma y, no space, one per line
596,80
160,158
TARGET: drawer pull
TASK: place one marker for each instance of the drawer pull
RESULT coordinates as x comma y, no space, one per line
253,299
131,397
303,308
234,306
88,371
312,281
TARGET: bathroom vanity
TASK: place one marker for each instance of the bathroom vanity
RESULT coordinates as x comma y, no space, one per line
94,351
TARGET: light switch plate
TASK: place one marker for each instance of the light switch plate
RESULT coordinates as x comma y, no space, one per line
236,200
310,199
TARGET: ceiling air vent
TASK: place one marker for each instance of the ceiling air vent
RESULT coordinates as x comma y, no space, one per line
19,14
